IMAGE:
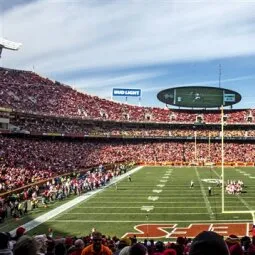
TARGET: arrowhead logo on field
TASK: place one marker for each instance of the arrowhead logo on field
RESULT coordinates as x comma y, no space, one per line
163,180
161,185
166,231
152,198
157,191
147,208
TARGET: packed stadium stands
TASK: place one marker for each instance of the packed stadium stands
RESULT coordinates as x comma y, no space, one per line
38,108
54,130
28,92
41,124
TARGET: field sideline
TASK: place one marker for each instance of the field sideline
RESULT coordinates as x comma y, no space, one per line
159,202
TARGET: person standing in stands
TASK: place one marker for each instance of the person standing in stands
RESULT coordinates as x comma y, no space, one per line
96,248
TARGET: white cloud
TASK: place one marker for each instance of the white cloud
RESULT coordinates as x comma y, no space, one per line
70,35
199,83
108,81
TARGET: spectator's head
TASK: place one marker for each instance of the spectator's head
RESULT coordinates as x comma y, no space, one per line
4,237
169,251
41,241
68,242
234,246
25,245
138,249
125,251
60,249
209,243
159,246
97,241
236,249
124,242
79,244
20,231
180,240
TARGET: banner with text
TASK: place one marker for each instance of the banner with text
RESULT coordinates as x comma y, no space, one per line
126,92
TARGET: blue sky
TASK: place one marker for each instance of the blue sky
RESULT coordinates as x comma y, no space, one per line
153,45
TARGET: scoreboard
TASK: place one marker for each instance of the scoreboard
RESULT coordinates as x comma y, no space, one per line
199,97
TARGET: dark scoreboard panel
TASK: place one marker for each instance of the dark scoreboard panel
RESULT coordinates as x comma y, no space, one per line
199,97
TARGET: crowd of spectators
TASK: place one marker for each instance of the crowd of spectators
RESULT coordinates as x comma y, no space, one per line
62,155
94,243
29,92
28,160
18,202
40,125
12,178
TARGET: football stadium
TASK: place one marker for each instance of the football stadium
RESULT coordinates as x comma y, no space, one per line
84,174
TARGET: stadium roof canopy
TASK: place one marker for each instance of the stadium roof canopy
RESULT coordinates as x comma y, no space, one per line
9,45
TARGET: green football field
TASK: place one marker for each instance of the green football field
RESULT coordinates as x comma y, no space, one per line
158,195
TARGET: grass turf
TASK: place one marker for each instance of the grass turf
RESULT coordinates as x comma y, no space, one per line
115,212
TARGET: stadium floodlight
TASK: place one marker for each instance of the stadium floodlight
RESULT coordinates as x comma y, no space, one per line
9,45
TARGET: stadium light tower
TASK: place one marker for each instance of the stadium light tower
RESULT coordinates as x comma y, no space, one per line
8,45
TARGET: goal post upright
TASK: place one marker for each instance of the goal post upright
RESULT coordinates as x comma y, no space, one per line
222,162
252,212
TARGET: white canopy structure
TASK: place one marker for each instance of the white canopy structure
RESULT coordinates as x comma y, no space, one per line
9,45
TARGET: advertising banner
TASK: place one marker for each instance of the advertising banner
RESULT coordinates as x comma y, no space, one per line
126,92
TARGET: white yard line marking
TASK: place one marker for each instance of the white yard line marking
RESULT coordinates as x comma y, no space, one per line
135,213
172,202
152,198
207,203
161,185
157,191
138,207
147,208
157,221
55,212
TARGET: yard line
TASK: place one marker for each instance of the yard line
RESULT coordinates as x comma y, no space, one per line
157,221
127,213
137,207
146,195
149,202
158,207
207,203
